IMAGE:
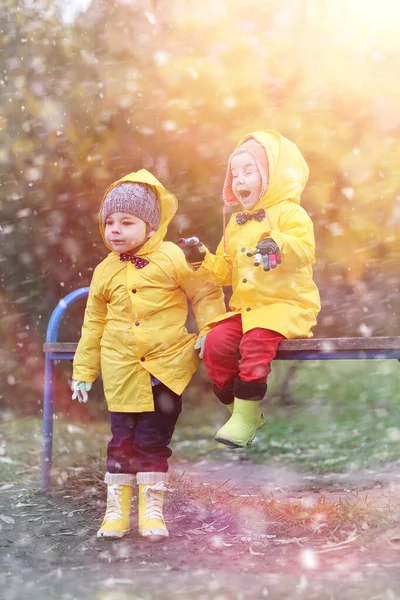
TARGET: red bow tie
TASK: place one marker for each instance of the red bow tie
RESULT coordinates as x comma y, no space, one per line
241,218
135,260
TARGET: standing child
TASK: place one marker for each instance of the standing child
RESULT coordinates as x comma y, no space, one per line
134,329
266,175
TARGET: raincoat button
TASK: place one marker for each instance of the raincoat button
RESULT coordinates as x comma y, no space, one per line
137,323
244,279
248,308
134,291
143,359
243,250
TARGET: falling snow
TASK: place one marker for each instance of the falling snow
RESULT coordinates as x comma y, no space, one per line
92,90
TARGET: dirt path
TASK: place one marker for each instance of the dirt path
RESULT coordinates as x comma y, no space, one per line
221,547
382,485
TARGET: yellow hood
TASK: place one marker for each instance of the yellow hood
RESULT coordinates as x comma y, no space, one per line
169,206
288,171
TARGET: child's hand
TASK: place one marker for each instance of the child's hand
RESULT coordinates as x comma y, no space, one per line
193,249
268,252
80,390
199,345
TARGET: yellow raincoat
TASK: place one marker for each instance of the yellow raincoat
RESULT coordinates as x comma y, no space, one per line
135,319
284,299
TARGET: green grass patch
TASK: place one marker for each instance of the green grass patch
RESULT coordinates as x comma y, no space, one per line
344,415
76,446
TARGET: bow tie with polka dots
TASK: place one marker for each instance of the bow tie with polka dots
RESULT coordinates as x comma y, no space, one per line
241,218
135,260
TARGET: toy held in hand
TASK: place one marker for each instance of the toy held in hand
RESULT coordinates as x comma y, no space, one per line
193,249
267,252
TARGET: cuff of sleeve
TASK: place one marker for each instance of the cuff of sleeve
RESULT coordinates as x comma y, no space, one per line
85,378
200,266
214,264
267,234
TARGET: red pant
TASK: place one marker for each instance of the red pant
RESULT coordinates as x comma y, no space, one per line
229,353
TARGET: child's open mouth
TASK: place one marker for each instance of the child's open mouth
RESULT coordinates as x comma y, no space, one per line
244,193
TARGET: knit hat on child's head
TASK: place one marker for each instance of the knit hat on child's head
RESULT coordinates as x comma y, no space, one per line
259,155
138,199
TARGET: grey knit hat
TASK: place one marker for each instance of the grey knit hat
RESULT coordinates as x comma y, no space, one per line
139,199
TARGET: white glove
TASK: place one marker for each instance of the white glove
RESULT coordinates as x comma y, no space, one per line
199,345
80,389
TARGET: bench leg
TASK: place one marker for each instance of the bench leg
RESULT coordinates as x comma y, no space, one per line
48,409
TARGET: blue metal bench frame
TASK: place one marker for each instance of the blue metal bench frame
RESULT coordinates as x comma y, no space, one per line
48,397
300,349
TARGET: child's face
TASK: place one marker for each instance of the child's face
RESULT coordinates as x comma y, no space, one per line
246,180
124,231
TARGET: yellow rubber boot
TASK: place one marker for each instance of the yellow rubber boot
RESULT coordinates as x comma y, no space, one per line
261,421
116,521
241,428
151,499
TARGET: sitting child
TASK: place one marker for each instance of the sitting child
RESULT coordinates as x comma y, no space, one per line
266,175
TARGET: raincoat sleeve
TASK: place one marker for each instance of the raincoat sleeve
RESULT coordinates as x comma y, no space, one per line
216,268
295,238
86,365
206,297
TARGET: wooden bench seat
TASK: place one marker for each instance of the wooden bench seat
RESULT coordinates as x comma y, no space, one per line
299,349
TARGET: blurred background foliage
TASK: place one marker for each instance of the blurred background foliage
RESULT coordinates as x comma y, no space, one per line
106,87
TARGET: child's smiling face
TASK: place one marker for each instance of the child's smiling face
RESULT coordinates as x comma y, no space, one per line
124,231
246,180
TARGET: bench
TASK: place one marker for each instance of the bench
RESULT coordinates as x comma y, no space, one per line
299,349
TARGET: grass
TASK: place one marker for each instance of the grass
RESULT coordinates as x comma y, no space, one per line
75,446
344,416
310,516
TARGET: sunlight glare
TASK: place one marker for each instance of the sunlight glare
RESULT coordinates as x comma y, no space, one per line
376,15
